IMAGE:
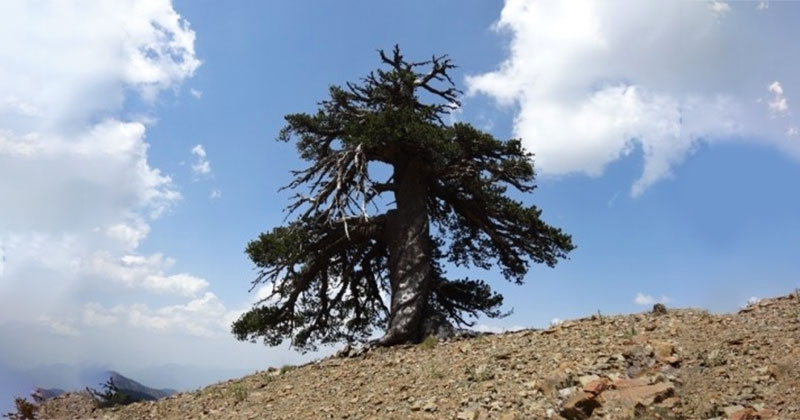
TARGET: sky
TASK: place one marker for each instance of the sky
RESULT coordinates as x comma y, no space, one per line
138,158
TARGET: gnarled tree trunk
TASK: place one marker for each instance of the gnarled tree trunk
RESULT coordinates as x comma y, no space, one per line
410,255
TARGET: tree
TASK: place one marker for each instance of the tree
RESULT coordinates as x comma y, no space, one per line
332,268
26,410
111,395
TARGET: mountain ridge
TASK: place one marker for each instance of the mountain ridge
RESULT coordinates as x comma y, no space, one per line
665,364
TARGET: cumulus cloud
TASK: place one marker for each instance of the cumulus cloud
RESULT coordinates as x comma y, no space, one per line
146,272
593,82
205,316
215,194
643,299
129,233
196,93
79,192
201,165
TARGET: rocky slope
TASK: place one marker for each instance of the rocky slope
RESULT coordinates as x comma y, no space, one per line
675,364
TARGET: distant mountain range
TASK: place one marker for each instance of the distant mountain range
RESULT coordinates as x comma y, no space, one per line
128,386
51,380
136,390
91,378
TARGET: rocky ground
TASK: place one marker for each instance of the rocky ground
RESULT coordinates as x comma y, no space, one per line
675,364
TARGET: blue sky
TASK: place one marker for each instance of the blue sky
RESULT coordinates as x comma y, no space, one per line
137,156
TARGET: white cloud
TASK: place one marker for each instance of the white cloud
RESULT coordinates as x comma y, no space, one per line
778,104
753,300
94,316
201,165
147,273
496,329
763,5
58,327
80,193
76,181
597,81
720,8
129,233
215,194
556,321
73,59
643,299
78,189
13,105
196,93
205,316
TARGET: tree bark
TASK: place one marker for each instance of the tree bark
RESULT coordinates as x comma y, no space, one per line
410,254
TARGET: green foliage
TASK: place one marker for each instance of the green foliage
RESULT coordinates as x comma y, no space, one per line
239,392
286,369
435,372
26,410
329,268
630,333
267,377
111,396
479,373
428,343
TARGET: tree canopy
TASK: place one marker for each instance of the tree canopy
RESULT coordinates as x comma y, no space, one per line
366,254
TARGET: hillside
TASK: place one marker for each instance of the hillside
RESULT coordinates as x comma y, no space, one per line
680,364
137,390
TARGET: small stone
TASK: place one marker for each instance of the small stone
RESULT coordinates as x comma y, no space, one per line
746,414
670,402
580,406
467,415
567,392
731,409
624,383
644,395
614,376
586,379
509,416
663,350
597,386
766,413
430,406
